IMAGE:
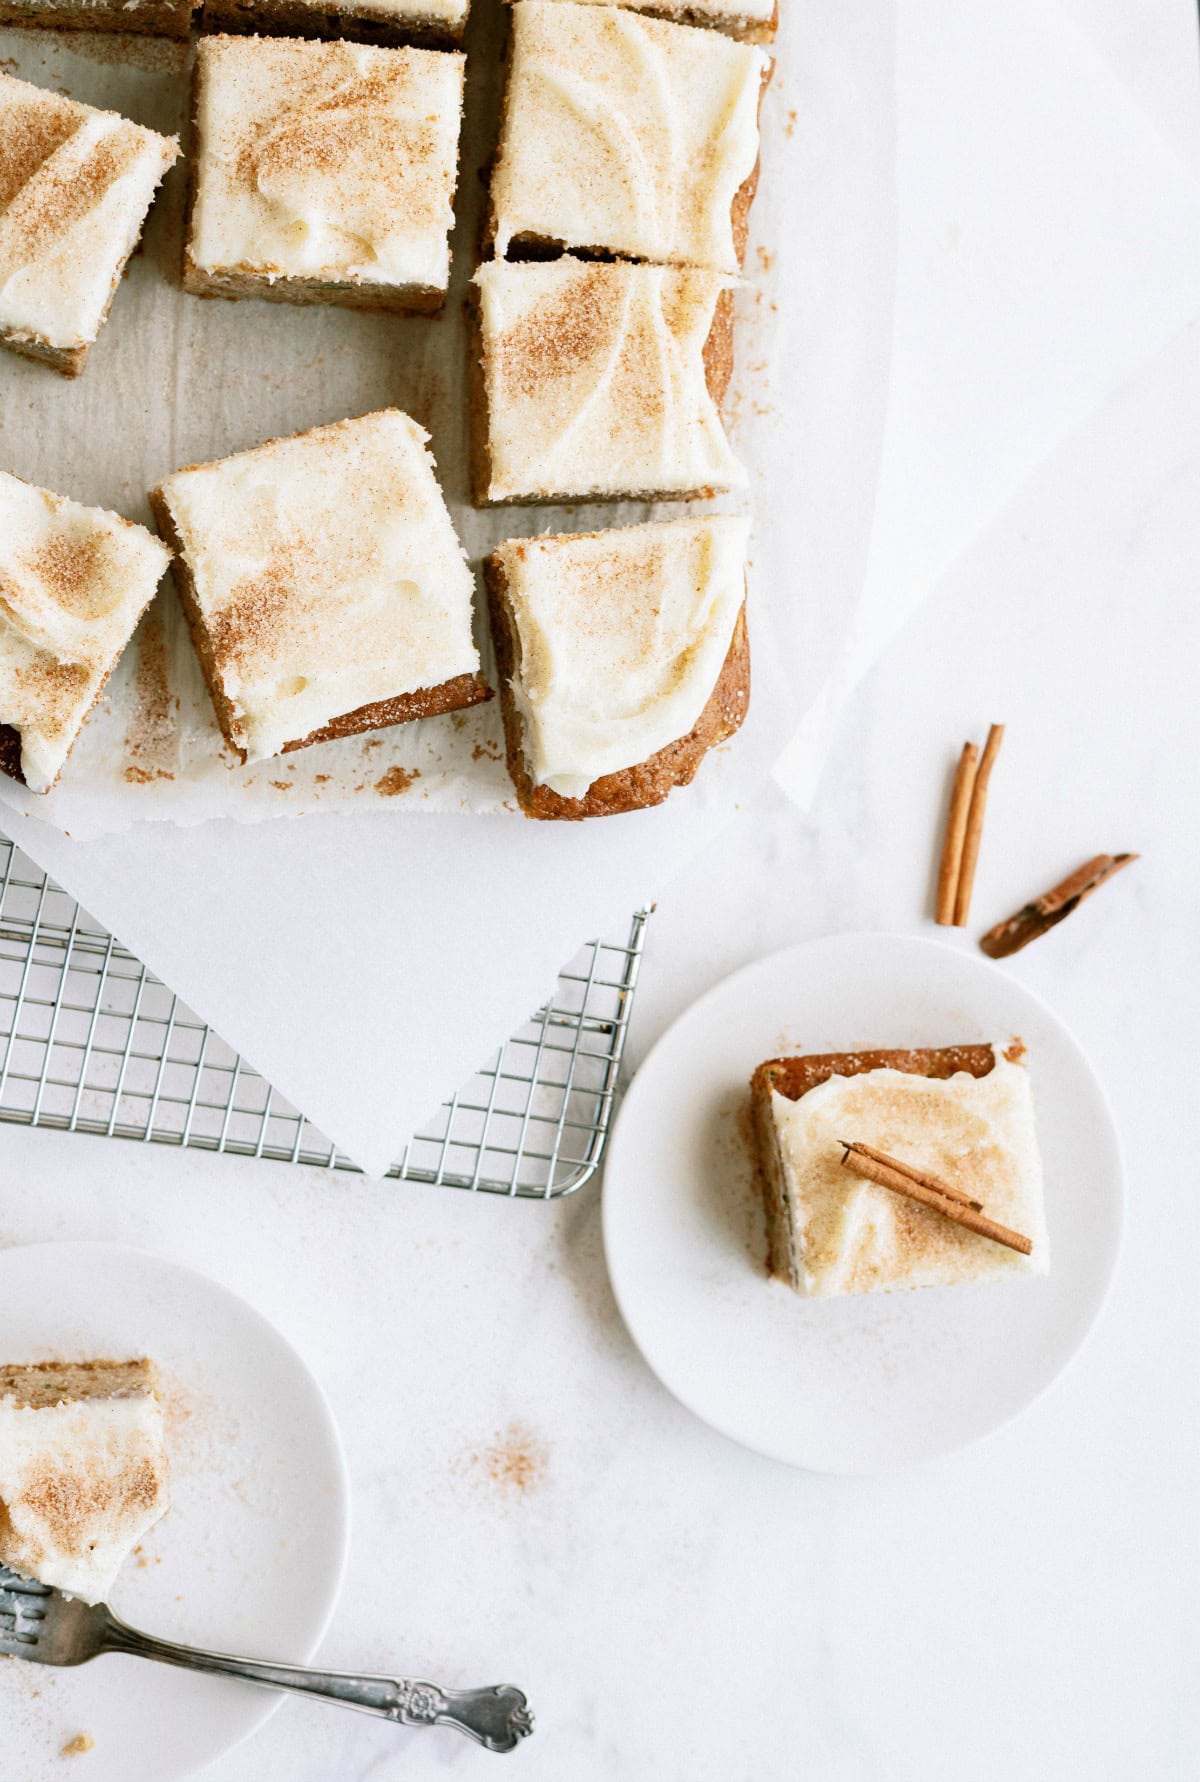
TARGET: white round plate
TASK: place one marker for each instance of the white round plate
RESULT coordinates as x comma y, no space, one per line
249,1557
864,1383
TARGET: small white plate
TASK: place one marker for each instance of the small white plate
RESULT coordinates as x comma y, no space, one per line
248,1559
860,1384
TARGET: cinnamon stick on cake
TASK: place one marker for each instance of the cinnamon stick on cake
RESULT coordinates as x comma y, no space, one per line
888,1169
325,588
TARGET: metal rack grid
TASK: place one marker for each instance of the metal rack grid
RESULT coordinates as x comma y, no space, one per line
91,1041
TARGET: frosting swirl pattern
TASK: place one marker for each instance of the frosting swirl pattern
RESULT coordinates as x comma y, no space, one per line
626,134
595,380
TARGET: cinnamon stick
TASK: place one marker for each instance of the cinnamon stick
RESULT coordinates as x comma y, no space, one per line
1034,919
917,1175
974,830
887,1172
956,829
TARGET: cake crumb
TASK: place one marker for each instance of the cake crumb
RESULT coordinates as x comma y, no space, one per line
78,1745
396,780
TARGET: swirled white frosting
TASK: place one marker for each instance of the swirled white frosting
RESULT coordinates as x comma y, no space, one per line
625,133
327,574
622,636
978,1133
73,583
75,186
330,161
595,380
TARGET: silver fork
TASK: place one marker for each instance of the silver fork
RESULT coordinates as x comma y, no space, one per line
47,1627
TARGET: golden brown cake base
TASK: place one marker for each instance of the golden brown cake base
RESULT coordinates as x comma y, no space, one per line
164,18
410,300
424,702
794,1077
634,788
68,360
280,18
43,1383
718,369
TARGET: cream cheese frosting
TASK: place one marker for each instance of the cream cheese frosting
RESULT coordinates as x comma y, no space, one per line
73,583
75,186
978,1133
622,636
81,1482
595,380
333,161
625,133
327,575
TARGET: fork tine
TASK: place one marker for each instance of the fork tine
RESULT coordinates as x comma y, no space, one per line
10,1580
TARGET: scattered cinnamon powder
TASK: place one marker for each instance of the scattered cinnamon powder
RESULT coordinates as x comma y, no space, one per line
78,1745
283,785
487,751
396,780
516,1461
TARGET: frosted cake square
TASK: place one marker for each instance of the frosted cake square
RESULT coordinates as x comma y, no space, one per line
626,135
75,187
962,1113
623,658
600,381
74,581
325,588
323,172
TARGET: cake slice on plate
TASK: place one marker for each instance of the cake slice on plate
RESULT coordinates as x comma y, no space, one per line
959,1115
83,1470
623,658
325,588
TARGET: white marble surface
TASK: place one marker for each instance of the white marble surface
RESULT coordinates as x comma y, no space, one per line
674,1606
677,1608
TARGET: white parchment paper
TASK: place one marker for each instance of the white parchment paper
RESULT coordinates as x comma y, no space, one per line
177,380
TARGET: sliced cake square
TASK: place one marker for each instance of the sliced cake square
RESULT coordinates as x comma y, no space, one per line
154,18
83,1470
623,658
323,172
326,590
360,21
627,135
600,381
962,1114
75,186
74,581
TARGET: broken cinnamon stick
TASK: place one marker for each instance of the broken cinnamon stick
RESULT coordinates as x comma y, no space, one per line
974,830
956,829
1044,913
888,1172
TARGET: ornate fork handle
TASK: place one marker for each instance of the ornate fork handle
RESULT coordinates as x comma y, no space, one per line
498,1717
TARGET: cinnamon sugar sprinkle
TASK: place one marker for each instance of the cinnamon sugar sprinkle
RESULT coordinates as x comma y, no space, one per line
516,1461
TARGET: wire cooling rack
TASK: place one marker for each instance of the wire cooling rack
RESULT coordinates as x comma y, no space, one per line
91,1041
